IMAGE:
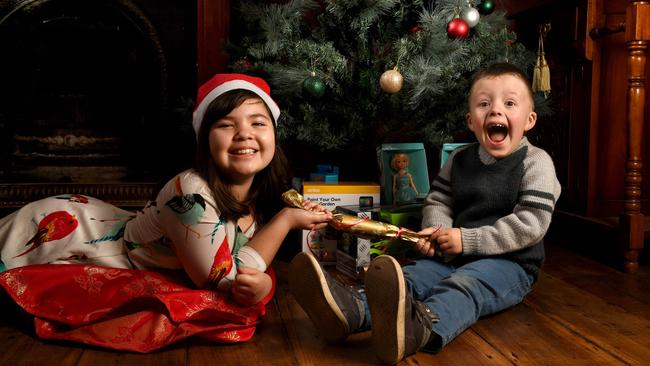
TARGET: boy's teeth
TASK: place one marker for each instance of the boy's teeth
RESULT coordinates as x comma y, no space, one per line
497,132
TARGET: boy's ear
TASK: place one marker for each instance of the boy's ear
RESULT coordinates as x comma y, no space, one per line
530,122
468,118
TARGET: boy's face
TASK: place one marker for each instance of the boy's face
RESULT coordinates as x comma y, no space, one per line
500,112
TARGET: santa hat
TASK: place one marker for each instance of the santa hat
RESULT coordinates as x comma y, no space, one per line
221,83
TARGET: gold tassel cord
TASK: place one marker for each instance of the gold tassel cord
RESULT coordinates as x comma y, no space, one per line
541,73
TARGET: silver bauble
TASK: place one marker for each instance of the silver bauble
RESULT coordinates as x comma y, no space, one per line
470,16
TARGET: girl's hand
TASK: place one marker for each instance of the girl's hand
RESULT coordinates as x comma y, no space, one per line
450,241
313,207
314,218
251,286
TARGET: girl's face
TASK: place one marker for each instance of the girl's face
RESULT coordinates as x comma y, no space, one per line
243,142
500,112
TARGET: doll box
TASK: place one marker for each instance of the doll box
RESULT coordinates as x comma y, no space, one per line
417,167
447,150
322,243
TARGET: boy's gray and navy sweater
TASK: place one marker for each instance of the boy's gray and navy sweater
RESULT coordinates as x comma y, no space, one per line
503,207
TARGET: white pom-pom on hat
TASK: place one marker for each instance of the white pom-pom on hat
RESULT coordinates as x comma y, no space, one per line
222,83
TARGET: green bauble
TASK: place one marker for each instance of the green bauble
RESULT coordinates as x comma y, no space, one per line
486,7
314,87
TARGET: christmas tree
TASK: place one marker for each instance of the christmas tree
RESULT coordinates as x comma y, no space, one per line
357,73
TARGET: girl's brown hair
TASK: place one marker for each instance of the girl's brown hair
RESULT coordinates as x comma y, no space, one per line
264,198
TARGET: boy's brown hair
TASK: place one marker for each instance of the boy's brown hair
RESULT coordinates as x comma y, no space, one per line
503,68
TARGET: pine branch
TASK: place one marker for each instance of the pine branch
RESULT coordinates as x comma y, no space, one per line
349,45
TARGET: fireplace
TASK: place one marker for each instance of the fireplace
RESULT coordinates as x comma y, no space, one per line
95,98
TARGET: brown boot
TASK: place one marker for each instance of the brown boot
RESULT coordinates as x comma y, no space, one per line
400,325
335,309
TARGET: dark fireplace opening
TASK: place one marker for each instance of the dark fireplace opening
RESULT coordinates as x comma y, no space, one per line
96,91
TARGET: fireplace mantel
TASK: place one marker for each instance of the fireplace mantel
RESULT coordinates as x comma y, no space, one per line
211,25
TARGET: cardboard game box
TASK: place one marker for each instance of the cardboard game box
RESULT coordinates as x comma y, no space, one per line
322,243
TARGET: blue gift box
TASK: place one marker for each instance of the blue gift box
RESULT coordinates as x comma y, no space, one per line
325,173
447,149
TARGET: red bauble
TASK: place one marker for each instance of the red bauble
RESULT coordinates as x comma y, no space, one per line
416,28
457,28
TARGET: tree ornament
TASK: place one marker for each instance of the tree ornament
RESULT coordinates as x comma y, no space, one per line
541,72
486,7
391,81
470,16
415,29
457,28
314,86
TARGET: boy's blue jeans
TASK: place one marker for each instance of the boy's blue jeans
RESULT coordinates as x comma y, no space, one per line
460,295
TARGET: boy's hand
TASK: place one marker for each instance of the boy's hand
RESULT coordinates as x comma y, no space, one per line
450,241
426,246
251,286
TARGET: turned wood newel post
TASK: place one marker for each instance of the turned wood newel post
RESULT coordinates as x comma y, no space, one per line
637,34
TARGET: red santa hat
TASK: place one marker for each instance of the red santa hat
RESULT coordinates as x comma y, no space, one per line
221,83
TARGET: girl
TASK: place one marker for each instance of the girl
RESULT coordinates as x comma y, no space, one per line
221,222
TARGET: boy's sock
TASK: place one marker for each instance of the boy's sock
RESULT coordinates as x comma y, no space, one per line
400,325
336,310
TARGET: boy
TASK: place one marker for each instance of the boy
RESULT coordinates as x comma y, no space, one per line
493,201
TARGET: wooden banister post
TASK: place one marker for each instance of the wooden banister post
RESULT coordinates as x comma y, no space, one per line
632,221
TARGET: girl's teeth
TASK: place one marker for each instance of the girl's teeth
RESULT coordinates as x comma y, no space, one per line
245,151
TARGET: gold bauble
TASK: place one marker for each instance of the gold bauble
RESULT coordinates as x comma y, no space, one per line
391,81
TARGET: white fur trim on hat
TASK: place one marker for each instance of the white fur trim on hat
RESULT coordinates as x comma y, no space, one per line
226,87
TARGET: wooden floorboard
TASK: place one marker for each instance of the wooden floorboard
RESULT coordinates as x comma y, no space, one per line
170,357
528,337
580,312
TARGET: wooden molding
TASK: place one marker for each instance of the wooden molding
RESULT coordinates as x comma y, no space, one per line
213,22
135,195
637,21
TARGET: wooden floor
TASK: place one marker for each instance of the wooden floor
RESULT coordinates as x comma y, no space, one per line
580,313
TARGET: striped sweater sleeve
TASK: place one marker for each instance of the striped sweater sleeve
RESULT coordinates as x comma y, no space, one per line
439,202
531,217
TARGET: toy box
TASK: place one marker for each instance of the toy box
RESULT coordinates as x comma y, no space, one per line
408,216
353,253
325,173
446,150
322,243
416,168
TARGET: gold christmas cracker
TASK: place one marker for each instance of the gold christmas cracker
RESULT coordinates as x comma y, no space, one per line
357,226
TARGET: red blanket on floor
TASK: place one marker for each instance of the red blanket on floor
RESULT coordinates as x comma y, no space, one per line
126,309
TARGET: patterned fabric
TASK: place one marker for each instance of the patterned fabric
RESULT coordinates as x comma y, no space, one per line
180,231
131,310
65,229
182,228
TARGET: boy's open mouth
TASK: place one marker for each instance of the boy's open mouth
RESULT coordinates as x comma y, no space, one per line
497,132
